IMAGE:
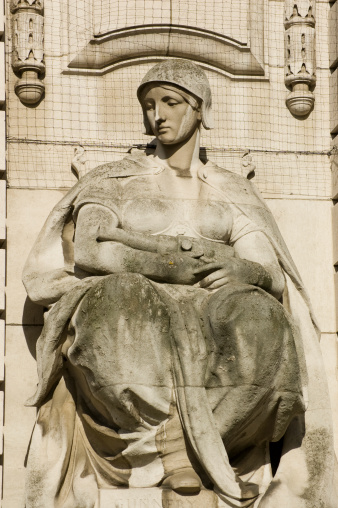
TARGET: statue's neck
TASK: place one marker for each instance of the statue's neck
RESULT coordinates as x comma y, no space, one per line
181,157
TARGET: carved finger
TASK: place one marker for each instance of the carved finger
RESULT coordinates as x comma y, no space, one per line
219,283
219,274
208,267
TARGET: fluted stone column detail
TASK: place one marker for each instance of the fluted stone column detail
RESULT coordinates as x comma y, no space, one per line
28,53
300,55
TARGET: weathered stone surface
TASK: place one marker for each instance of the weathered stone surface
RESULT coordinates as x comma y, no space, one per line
329,347
2,210
334,102
126,498
2,279
335,234
333,36
334,170
26,215
205,498
154,498
311,220
2,349
21,380
181,255
101,113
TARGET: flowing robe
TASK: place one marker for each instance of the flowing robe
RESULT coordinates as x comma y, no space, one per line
127,364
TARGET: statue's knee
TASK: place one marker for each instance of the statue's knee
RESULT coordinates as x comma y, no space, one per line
115,290
247,305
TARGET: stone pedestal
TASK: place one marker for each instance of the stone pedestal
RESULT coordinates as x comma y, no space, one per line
154,498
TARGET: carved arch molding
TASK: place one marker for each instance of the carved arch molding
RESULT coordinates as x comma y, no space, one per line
225,36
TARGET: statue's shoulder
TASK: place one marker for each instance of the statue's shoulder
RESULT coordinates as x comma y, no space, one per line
132,164
237,187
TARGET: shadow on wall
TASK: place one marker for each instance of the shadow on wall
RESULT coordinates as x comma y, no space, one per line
32,322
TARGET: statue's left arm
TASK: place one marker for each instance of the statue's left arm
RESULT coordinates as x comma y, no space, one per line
256,263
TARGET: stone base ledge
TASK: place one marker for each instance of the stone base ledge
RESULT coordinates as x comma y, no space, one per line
154,498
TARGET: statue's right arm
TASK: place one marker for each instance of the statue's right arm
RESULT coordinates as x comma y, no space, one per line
105,257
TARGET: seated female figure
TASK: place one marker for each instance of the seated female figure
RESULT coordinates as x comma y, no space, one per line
167,358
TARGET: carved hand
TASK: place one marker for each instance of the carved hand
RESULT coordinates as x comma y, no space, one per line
184,269
236,270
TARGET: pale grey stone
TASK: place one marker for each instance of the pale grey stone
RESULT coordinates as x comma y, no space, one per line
166,358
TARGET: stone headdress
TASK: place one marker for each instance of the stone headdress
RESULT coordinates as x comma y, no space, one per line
186,76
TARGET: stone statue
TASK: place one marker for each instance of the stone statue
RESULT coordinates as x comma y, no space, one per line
179,341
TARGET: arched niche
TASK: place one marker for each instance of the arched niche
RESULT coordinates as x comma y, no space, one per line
225,36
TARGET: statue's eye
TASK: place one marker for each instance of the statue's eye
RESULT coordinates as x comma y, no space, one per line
172,103
148,106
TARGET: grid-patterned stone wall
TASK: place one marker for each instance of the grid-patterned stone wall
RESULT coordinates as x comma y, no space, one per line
2,230
333,56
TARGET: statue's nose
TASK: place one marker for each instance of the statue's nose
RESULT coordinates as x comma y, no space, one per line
159,114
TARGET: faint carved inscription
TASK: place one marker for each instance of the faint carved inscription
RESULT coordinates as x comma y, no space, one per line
136,503
149,502
131,498
154,498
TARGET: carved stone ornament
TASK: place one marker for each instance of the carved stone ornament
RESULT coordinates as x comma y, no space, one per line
28,55
37,5
247,165
236,56
300,56
79,163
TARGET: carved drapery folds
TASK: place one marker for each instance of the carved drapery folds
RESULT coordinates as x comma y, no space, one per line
27,54
300,55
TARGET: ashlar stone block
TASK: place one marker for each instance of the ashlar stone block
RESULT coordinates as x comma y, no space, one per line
306,227
334,172
335,234
333,35
336,296
2,67
2,349
27,211
329,347
1,423
334,102
2,17
21,379
2,279
2,130
2,210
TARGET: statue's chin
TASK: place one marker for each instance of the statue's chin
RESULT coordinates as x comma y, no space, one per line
166,139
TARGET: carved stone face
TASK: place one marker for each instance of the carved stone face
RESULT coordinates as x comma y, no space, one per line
171,118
